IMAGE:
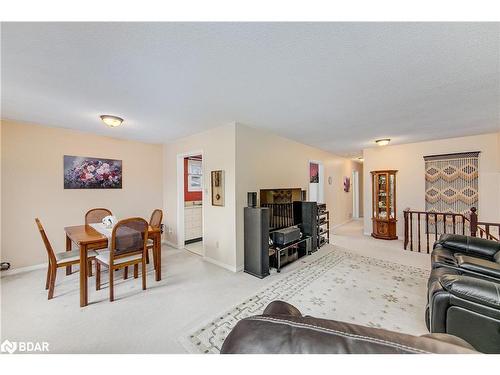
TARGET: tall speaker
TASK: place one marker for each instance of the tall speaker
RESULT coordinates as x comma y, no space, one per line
256,242
305,214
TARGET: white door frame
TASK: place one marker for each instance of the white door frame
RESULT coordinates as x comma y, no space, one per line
180,197
321,183
355,194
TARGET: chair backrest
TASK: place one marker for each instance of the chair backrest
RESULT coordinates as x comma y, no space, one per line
46,242
156,218
129,236
96,215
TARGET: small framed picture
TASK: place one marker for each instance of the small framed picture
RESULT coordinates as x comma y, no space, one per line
217,188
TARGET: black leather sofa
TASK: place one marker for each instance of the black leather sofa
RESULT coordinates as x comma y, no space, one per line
282,329
464,290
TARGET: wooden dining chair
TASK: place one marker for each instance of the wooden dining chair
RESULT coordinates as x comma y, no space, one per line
128,247
95,215
56,260
154,222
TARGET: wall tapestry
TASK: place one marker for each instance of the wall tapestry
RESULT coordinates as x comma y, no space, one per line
92,173
451,182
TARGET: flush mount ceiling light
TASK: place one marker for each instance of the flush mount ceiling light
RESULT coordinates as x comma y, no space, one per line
361,159
111,121
383,142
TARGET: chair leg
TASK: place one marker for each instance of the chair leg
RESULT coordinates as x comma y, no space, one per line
125,273
111,285
147,256
143,263
53,273
47,282
97,276
89,268
136,271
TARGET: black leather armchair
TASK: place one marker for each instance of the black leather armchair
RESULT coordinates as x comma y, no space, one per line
283,329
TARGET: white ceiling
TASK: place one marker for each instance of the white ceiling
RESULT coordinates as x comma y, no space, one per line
336,86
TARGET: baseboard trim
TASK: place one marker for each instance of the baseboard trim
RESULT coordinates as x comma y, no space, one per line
339,225
220,264
15,271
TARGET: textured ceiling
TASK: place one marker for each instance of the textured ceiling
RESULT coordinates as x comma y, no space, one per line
336,86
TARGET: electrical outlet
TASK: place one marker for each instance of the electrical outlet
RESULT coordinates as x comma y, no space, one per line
170,230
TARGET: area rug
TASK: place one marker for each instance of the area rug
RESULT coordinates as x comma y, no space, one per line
339,285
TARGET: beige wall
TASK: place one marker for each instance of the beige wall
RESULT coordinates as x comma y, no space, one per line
32,185
219,234
265,160
408,160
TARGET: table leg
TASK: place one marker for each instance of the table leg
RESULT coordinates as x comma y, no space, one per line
278,260
83,276
68,248
157,246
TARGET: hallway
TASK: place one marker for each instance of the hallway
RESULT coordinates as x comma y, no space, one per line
351,236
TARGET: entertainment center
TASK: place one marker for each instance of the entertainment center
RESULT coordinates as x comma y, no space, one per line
283,229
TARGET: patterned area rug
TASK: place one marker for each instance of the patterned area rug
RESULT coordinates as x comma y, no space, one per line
339,285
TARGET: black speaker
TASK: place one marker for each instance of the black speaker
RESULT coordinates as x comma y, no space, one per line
256,241
305,214
252,199
303,195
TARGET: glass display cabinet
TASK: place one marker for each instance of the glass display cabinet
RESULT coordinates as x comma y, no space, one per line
384,204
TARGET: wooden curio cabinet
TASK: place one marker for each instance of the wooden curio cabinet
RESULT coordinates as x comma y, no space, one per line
384,204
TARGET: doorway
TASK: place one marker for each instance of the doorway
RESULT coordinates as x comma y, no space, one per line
190,202
355,195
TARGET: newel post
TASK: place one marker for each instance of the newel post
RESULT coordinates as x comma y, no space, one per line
473,221
405,215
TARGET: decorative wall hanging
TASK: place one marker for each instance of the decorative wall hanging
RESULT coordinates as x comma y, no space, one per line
217,188
313,173
347,184
92,173
451,182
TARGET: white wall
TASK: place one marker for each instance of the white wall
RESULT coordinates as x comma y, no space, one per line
219,225
408,159
265,160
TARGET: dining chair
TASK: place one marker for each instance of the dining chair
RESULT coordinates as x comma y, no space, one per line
95,215
154,222
128,247
57,260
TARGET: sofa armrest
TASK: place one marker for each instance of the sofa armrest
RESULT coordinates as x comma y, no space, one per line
469,245
473,289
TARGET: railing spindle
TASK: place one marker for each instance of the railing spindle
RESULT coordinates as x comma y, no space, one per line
418,221
427,229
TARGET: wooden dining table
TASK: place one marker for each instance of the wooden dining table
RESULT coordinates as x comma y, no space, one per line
87,238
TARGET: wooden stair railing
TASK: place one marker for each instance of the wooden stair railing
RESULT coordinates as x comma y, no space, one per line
422,227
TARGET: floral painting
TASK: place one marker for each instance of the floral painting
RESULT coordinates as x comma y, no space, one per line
92,173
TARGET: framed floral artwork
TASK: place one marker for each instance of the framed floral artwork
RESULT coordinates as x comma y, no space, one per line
92,173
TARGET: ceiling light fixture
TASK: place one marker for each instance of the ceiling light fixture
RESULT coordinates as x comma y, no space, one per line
111,121
383,142
361,159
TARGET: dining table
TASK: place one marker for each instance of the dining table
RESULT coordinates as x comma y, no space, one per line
88,238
